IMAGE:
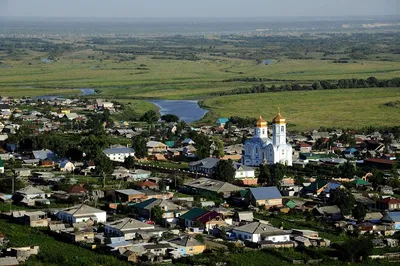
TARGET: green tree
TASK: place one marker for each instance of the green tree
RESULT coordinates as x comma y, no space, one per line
347,170
150,117
219,151
129,162
278,172
356,250
157,213
170,118
224,171
139,144
343,199
202,145
359,212
264,177
103,164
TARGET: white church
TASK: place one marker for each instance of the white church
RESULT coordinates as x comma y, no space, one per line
261,149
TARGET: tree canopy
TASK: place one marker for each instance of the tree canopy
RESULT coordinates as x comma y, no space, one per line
150,117
343,199
224,171
170,118
139,144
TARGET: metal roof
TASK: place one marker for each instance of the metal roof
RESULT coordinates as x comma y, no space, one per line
265,193
118,150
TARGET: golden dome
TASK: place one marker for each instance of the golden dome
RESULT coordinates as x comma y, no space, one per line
279,119
261,122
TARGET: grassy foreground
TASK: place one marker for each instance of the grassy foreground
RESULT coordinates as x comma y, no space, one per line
53,252
346,108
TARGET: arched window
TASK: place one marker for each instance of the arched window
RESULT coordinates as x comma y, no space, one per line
283,152
282,128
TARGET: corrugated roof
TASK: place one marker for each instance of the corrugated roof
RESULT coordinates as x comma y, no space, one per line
265,193
118,150
193,214
392,217
129,224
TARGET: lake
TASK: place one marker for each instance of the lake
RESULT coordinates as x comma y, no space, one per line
87,91
188,111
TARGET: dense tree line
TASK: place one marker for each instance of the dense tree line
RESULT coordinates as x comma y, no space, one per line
370,82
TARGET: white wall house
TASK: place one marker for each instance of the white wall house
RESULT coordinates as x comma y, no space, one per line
256,232
81,213
119,154
244,172
31,192
126,227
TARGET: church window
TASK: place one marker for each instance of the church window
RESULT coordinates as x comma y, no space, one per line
282,128
283,152
263,131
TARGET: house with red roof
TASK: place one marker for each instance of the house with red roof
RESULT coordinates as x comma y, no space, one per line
388,204
201,218
77,190
147,185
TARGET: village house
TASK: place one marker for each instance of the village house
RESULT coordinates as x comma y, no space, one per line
209,186
392,218
126,227
188,246
256,232
388,203
155,147
36,219
243,174
201,218
170,209
243,216
128,195
264,196
28,195
119,154
66,166
78,234
81,213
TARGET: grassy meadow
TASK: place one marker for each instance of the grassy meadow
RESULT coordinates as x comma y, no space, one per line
165,78
345,108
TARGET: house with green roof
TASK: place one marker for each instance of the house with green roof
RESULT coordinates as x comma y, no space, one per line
290,204
360,182
189,217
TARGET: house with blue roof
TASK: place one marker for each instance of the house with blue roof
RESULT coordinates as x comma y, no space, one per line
222,121
392,218
321,187
67,166
44,154
264,196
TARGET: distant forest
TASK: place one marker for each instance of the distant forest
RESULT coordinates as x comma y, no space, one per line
370,82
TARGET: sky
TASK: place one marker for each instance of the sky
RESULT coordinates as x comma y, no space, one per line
197,8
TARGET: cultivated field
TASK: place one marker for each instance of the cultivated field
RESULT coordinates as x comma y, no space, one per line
345,108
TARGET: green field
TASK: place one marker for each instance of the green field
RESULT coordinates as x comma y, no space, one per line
131,70
168,79
346,108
